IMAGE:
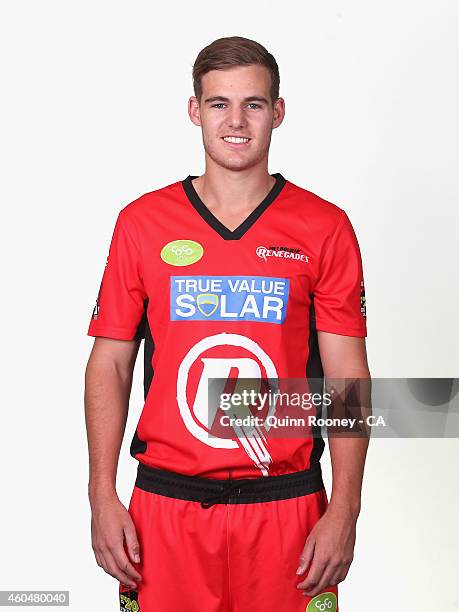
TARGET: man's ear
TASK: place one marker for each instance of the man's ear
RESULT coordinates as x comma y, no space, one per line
194,110
279,112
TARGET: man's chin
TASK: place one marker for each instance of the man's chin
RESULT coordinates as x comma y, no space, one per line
237,165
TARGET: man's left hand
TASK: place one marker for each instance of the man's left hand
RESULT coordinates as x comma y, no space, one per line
328,551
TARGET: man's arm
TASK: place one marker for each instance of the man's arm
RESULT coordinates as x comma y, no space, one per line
328,551
345,357
108,381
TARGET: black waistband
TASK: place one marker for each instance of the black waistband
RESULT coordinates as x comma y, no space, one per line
210,491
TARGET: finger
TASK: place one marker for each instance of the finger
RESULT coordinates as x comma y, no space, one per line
306,556
106,566
111,567
103,563
323,583
132,543
341,574
123,562
98,559
314,575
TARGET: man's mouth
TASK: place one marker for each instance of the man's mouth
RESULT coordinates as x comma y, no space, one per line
237,140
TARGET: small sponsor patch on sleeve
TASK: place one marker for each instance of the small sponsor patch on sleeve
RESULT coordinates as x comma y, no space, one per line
363,301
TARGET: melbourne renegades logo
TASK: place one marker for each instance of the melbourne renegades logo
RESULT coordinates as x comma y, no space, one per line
281,252
217,357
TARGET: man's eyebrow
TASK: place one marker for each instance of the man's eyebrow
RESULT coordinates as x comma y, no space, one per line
247,99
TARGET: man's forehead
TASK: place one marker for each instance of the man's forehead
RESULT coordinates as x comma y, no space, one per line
239,81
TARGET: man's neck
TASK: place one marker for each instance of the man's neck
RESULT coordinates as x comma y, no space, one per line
228,192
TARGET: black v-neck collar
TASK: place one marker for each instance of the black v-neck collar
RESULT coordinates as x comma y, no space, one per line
217,225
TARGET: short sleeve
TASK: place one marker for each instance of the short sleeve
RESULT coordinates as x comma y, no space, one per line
121,301
339,291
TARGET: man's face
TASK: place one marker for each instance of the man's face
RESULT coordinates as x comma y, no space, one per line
236,103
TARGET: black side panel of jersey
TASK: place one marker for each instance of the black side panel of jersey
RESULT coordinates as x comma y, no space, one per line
148,351
140,332
315,376
144,331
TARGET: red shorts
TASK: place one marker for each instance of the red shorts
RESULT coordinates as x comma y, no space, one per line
239,553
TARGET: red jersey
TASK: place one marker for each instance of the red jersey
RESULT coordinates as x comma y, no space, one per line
211,302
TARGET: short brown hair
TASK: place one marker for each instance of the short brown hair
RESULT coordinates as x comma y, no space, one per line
233,51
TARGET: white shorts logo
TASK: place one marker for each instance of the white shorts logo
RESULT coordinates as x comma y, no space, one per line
250,438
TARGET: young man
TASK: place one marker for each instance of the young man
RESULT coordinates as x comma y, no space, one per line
235,273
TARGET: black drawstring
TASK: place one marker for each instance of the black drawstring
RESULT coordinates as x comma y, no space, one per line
233,487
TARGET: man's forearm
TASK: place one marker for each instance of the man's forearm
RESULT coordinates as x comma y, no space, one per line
348,451
348,460
106,401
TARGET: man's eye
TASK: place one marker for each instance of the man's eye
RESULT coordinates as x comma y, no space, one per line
218,104
254,104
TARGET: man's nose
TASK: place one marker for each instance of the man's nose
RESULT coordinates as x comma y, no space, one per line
236,117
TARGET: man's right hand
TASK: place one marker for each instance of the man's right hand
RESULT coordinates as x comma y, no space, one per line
111,525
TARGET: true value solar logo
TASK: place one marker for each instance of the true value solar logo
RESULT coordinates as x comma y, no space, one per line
228,298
